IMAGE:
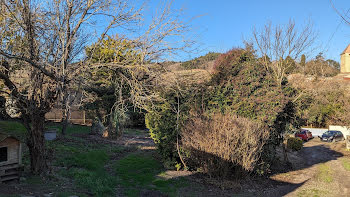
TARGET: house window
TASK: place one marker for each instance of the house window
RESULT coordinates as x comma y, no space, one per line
3,154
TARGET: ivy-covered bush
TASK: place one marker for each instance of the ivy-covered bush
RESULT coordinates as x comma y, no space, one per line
240,85
295,144
165,121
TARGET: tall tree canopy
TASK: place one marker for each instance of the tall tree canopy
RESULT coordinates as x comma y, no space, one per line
40,41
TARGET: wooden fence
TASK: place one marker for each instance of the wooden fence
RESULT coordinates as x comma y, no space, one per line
76,116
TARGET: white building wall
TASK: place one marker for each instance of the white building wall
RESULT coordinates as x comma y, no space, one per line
316,131
343,129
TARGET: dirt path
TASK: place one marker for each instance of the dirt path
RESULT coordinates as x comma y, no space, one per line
317,171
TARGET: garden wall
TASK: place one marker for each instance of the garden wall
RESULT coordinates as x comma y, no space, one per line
316,131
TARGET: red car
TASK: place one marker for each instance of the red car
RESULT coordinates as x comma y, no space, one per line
304,135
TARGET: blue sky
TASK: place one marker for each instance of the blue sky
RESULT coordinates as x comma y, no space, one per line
224,23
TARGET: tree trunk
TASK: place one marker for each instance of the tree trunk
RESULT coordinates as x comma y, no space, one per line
65,113
64,124
114,125
36,144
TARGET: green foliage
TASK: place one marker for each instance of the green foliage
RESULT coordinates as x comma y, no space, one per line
303,61
240,85
102,87
167,116
326,105
162,127
200,62
230,63
107,86
114,49
295,144
249,90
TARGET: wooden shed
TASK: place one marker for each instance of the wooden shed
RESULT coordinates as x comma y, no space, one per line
10,157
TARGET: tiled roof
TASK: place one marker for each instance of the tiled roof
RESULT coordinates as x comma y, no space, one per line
347,50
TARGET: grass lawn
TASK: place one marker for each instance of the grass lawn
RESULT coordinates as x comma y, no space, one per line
86,165
324,173
18,130
346,163
313,193
14,128
95,168
137,172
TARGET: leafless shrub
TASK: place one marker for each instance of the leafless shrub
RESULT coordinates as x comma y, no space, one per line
223,144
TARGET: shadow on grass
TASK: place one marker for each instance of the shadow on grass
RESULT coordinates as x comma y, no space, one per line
314,154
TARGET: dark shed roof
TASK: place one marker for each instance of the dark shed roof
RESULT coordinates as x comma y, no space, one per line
5,136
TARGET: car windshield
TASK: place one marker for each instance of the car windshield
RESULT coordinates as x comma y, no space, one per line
329,133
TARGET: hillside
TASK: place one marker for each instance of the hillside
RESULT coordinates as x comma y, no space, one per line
316,84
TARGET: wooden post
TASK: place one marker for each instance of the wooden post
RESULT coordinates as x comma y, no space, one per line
84,116
348,142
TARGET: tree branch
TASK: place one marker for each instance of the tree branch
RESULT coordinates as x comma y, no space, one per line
39,67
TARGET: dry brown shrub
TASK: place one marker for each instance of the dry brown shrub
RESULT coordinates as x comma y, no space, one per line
223,144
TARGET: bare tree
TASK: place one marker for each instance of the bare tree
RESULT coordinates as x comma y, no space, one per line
275,43
42,39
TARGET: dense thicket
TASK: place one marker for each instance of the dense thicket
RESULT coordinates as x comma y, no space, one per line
321,67
241,86
106,89
321,102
